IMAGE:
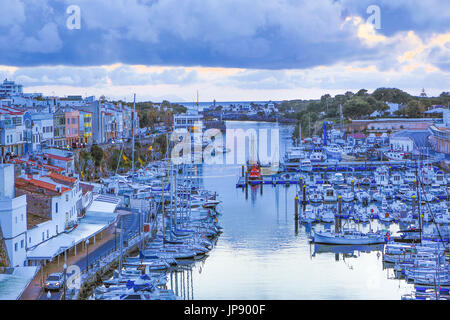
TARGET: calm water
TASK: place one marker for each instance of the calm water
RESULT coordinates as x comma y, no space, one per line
261,255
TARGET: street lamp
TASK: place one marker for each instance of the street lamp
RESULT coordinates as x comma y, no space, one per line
87,254
64,288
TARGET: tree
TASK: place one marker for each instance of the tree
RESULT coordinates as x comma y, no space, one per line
97,154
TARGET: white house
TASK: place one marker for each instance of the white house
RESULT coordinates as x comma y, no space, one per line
13,217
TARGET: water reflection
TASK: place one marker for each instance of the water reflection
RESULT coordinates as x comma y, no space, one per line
264,254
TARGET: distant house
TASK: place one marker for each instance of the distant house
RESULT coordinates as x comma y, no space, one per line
393,107
376,114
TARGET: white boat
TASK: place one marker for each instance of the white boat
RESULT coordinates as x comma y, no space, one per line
409,176
338,179
427,175
315,195
396,156
396,178
309,215
348,196
327,216
349,237
363,196
333,151
330,195
317,156
305,165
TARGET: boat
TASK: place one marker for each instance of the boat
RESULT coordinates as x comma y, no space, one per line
349,237
305,165
317,156
255,172
333,151
396,156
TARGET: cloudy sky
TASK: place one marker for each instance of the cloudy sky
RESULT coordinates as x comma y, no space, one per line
228,50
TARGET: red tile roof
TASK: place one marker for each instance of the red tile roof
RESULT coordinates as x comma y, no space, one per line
61,177
53,156
21,182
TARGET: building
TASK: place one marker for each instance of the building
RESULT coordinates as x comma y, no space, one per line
38,131
10,88
85,126
72,127
11,132
59,120
404,144
191,121
13,217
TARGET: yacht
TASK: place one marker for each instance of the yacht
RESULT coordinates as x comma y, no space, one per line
305,165
396,156
317,156
333,151
338,179
329,195
348,237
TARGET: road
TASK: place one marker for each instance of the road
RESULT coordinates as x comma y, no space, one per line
130,225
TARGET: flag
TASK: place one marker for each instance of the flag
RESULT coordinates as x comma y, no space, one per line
82,175
124,157
141,162
150,148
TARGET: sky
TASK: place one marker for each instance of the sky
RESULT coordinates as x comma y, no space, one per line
227,50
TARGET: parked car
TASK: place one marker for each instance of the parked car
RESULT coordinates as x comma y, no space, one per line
55,281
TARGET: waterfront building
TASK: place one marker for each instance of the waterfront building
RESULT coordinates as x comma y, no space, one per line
191,121
51,207
399,143
13,218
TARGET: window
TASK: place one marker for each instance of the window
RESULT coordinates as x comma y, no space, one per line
67,197
21,243
16,219
16,246
56,207
47,234
29,239
43,236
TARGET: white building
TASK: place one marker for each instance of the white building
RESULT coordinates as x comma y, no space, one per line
13,217
10,88
191,121
404,144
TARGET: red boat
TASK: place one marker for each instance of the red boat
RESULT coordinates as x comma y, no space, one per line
255,172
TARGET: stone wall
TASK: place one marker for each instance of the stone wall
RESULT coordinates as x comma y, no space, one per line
4,258
38,207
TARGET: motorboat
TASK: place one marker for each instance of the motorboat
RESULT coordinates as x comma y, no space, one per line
329,195
348,237
305,165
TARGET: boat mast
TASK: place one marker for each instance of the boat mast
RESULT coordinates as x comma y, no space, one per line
132,132
163,226
419,202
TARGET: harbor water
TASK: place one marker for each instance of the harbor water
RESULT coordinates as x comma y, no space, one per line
263,255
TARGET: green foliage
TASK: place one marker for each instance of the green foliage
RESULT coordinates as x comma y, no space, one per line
97,154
